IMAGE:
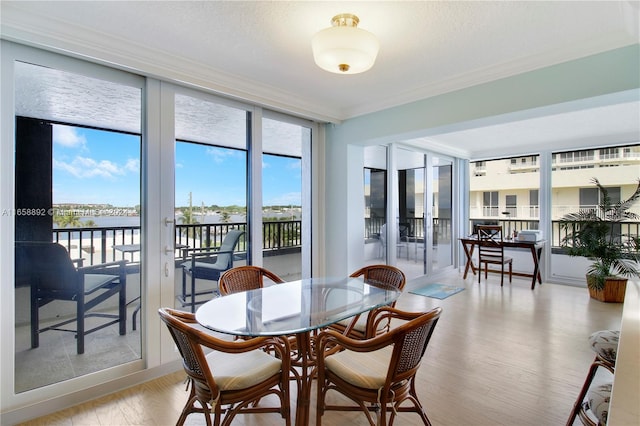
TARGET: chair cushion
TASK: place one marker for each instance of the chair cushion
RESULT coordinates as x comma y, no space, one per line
364,369
605,344
598,397
204,270
93,282
361,324
242,370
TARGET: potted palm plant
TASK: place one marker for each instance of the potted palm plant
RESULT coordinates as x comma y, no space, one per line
595,233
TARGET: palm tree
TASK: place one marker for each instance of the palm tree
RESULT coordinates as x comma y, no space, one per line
225,217
67,220
189,219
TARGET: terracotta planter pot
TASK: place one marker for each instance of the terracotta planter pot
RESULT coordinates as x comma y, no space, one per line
613,291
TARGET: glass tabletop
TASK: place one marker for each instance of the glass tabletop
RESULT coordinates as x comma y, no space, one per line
293,307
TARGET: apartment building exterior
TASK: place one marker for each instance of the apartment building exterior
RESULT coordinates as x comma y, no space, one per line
508,189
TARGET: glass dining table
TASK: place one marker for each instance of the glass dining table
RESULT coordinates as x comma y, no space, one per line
296,308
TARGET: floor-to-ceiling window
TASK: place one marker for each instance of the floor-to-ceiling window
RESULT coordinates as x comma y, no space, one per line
441,212
420,197
211,164
78,205
375,204
102,164
616,168
285,177
505,192
410,216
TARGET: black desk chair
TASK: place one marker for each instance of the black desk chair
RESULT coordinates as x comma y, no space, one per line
202,266
53,276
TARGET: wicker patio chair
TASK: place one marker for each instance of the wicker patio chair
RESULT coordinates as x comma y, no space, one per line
232,378
377,373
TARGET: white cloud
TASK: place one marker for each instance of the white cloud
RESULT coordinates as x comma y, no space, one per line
68,136
133,165
220,154
84,167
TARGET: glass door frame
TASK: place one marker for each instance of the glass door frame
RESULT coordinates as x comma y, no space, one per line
12,53
307,184
393,203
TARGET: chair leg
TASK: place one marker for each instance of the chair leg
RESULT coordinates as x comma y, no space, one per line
184,285
135,314
585,388
510,272
193,292
35,319
122,307
80,314
502,275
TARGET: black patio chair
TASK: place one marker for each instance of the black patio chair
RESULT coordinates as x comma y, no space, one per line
52,275
207,263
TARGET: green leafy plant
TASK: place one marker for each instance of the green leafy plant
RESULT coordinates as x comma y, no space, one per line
594,233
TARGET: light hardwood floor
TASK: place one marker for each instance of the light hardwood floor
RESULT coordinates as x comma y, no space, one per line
498,356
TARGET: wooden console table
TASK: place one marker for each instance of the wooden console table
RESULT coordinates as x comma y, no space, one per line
469,244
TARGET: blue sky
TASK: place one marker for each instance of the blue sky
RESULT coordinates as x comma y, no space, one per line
96,167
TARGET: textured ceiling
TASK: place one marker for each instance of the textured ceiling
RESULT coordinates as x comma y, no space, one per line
260,51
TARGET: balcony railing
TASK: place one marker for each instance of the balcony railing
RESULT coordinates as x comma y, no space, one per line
96,244
414,228
529,211
557,233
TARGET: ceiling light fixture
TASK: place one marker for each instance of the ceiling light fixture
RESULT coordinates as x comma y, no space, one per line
344,48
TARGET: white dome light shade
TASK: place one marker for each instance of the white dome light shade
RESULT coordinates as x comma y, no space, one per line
345,48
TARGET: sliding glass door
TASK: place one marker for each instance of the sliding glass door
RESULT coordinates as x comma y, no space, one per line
375,204
77,224
410,217
286,173
441,212
211,164
423,240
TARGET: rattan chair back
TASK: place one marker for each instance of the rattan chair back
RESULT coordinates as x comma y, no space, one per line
243,278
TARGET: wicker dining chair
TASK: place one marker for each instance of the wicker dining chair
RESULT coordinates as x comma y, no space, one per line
377,373
592,404
243,278
387,275
232,378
